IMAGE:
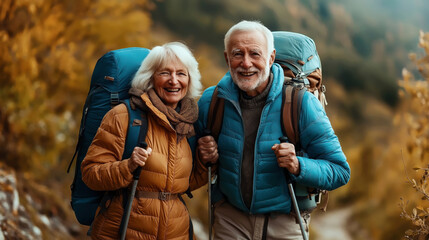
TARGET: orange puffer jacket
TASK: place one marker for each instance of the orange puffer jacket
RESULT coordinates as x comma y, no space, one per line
168,169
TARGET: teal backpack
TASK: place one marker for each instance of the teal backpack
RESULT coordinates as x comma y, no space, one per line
297,55
109,86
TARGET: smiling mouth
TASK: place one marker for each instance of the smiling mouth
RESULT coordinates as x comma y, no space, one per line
172,90
247,74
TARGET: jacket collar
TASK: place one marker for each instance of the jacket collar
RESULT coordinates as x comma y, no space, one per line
158,114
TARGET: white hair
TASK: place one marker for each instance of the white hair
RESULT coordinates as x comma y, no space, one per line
158,57
246,26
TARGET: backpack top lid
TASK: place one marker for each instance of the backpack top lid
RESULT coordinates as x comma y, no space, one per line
298,49
115,70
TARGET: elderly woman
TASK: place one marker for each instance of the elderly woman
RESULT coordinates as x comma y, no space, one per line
164,87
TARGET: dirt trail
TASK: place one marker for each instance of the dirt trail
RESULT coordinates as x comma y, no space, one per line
331,225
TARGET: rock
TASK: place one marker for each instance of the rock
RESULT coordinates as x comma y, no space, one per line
27,211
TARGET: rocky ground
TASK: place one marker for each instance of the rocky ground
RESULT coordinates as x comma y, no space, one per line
32,211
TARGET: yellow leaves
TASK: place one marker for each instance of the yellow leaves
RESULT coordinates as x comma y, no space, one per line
407,76
21,45
4,37
47,53
111,8
418,218
50,28
415,95
415,102
127,30
414,182
5,7
424,41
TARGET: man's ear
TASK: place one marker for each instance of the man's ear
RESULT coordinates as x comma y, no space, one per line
226,58
272,57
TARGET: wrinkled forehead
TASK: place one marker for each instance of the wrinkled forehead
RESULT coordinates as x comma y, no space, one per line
171,62
251,40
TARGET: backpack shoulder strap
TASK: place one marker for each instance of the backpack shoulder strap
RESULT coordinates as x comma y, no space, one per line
137,129
292,95
215,114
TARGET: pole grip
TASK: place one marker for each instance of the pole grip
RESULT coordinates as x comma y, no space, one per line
284,139
138,170
207,132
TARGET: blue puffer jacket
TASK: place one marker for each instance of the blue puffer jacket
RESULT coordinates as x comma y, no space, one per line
325,166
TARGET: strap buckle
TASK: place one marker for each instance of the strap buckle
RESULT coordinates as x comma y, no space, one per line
114,99
164,196
318,198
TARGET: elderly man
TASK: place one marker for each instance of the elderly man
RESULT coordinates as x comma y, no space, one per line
251,194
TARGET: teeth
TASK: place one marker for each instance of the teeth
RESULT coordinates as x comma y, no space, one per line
247,73
172,89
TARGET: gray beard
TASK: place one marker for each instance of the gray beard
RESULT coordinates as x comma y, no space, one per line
261,79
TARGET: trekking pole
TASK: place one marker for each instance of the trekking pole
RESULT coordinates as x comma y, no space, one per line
126,217
209,174
209,167
292,195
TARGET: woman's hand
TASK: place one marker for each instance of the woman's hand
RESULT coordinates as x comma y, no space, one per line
286,157
138,158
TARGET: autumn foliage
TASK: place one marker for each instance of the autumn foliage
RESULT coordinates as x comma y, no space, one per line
416,100
47,52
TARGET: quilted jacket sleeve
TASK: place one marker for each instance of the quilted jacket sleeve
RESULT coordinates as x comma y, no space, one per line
199,176
102,168
326,166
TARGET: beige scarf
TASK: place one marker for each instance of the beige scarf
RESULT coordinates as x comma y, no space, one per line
181,121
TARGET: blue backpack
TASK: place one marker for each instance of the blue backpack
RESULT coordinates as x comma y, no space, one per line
297,55
109,86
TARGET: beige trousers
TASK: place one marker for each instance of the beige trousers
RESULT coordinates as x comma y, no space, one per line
231,223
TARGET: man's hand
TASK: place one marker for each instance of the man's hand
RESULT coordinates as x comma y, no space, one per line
207,150
286,157
138,158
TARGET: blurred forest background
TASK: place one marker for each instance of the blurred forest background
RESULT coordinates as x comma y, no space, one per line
375,67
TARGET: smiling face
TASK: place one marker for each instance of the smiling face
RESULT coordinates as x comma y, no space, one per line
170,82
249,61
